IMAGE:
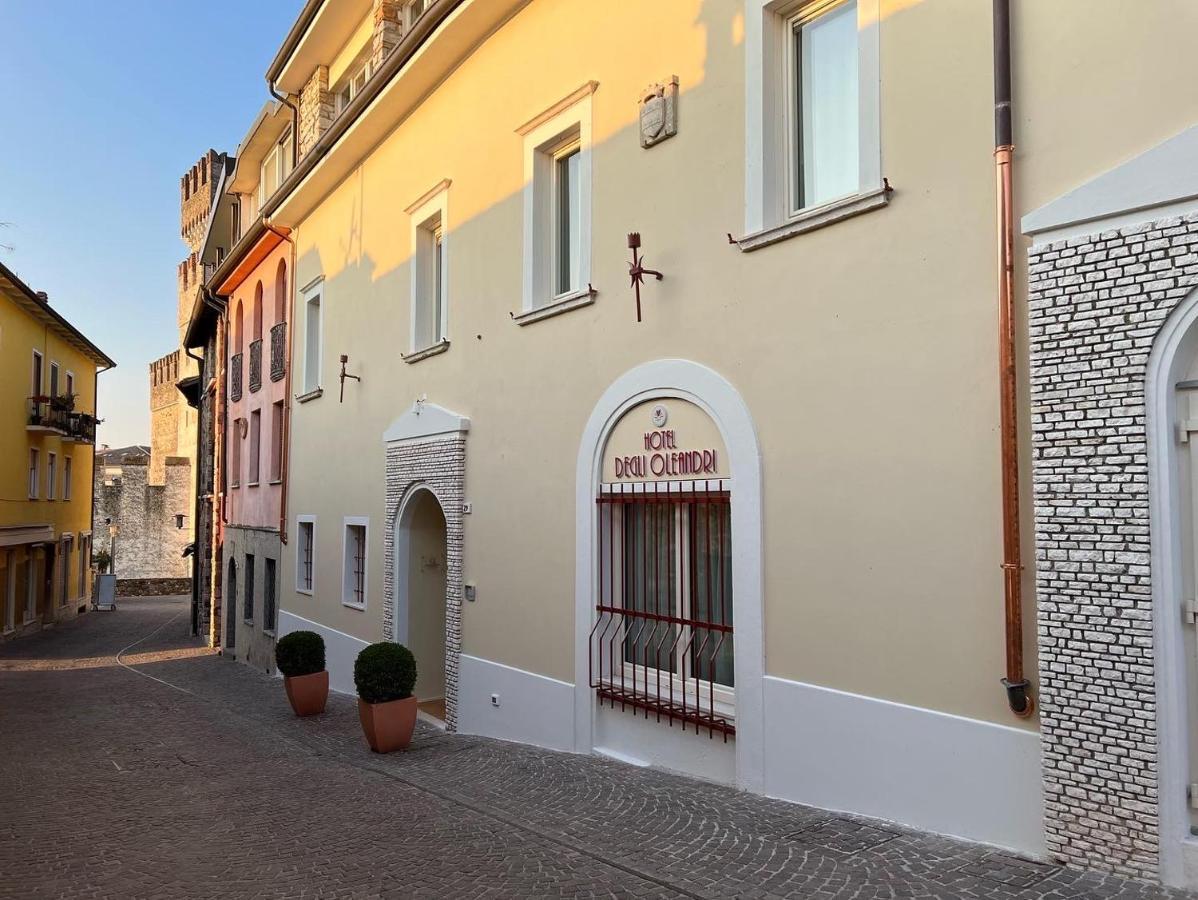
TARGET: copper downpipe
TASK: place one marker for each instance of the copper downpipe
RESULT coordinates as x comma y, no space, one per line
1019,696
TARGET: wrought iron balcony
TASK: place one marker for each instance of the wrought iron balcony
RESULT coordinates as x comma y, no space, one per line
235,375
278,351
255,365
43,416
82,428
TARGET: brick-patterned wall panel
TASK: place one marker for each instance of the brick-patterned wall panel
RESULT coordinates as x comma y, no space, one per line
315,109
440,466
1096,305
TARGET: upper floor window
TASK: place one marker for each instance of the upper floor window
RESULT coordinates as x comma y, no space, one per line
430,312
34,473
70,384
313,324
413,10
35,380
235,452
276,441
67,475
823,109
53,379
557,203
276,167
257,312
51,476
255,446
812,139
354,80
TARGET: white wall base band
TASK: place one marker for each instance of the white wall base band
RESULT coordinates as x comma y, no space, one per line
626,735
918,767
533,709
340,649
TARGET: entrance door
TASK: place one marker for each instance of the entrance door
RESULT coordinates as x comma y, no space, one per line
423,595
1187,433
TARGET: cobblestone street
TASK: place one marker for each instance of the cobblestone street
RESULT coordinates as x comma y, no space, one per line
171,772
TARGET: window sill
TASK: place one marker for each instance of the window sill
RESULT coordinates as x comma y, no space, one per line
360,607
235,484
249,622
814,219
414,357
556,306
311,395
251,484
307,592
275,481
268,633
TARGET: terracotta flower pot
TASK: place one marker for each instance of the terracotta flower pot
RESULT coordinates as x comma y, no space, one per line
307,693
388,726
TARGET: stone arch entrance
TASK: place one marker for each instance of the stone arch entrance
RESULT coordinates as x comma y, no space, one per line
420,560
426,454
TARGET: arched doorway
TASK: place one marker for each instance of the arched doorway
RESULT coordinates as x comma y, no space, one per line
230,607
419,576
1172,408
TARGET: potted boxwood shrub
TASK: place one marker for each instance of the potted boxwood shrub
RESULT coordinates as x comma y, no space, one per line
300,657
384,675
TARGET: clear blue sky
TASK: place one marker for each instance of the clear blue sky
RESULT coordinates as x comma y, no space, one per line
105,106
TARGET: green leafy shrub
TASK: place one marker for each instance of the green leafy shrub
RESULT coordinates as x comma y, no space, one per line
384,672
102,559
300,653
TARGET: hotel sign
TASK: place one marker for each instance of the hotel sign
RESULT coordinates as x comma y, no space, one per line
664,440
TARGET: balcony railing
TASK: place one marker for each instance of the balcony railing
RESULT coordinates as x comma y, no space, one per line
235,371
255,364
46,415
278,351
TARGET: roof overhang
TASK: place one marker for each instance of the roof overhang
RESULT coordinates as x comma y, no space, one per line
320,31
445,35
1159,183
24,296
189,387
268,127
263,242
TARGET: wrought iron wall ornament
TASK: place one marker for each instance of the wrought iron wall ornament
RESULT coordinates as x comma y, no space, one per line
637,270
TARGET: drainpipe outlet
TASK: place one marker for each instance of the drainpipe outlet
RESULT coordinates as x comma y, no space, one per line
1019,697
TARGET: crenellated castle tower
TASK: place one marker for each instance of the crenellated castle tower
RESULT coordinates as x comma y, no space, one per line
172,421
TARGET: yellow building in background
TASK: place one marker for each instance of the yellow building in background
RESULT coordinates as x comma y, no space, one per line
48,375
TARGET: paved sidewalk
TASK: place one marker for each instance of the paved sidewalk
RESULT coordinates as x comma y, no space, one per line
190,777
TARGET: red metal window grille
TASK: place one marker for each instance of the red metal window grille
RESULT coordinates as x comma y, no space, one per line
662,642
359,564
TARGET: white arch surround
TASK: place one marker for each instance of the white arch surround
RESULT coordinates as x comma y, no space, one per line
1175,346
684,380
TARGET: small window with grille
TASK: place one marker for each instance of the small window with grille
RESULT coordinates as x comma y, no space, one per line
354,563
305,557
662,643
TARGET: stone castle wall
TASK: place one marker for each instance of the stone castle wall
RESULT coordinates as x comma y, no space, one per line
149,544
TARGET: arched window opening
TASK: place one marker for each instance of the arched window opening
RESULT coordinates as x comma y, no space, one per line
281,291
258,312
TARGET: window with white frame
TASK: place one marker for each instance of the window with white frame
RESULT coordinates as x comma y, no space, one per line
557,204
313,324
353,565
354,80
53,379
276,167
305,557
67,474
35,378
34,473
413,10
51,475
812,136
430,310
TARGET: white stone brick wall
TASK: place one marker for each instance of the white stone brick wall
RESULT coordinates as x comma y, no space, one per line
1096,304
440,466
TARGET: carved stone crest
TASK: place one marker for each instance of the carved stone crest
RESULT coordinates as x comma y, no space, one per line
659,112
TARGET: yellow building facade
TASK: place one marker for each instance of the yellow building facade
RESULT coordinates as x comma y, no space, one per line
48,374
775,471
